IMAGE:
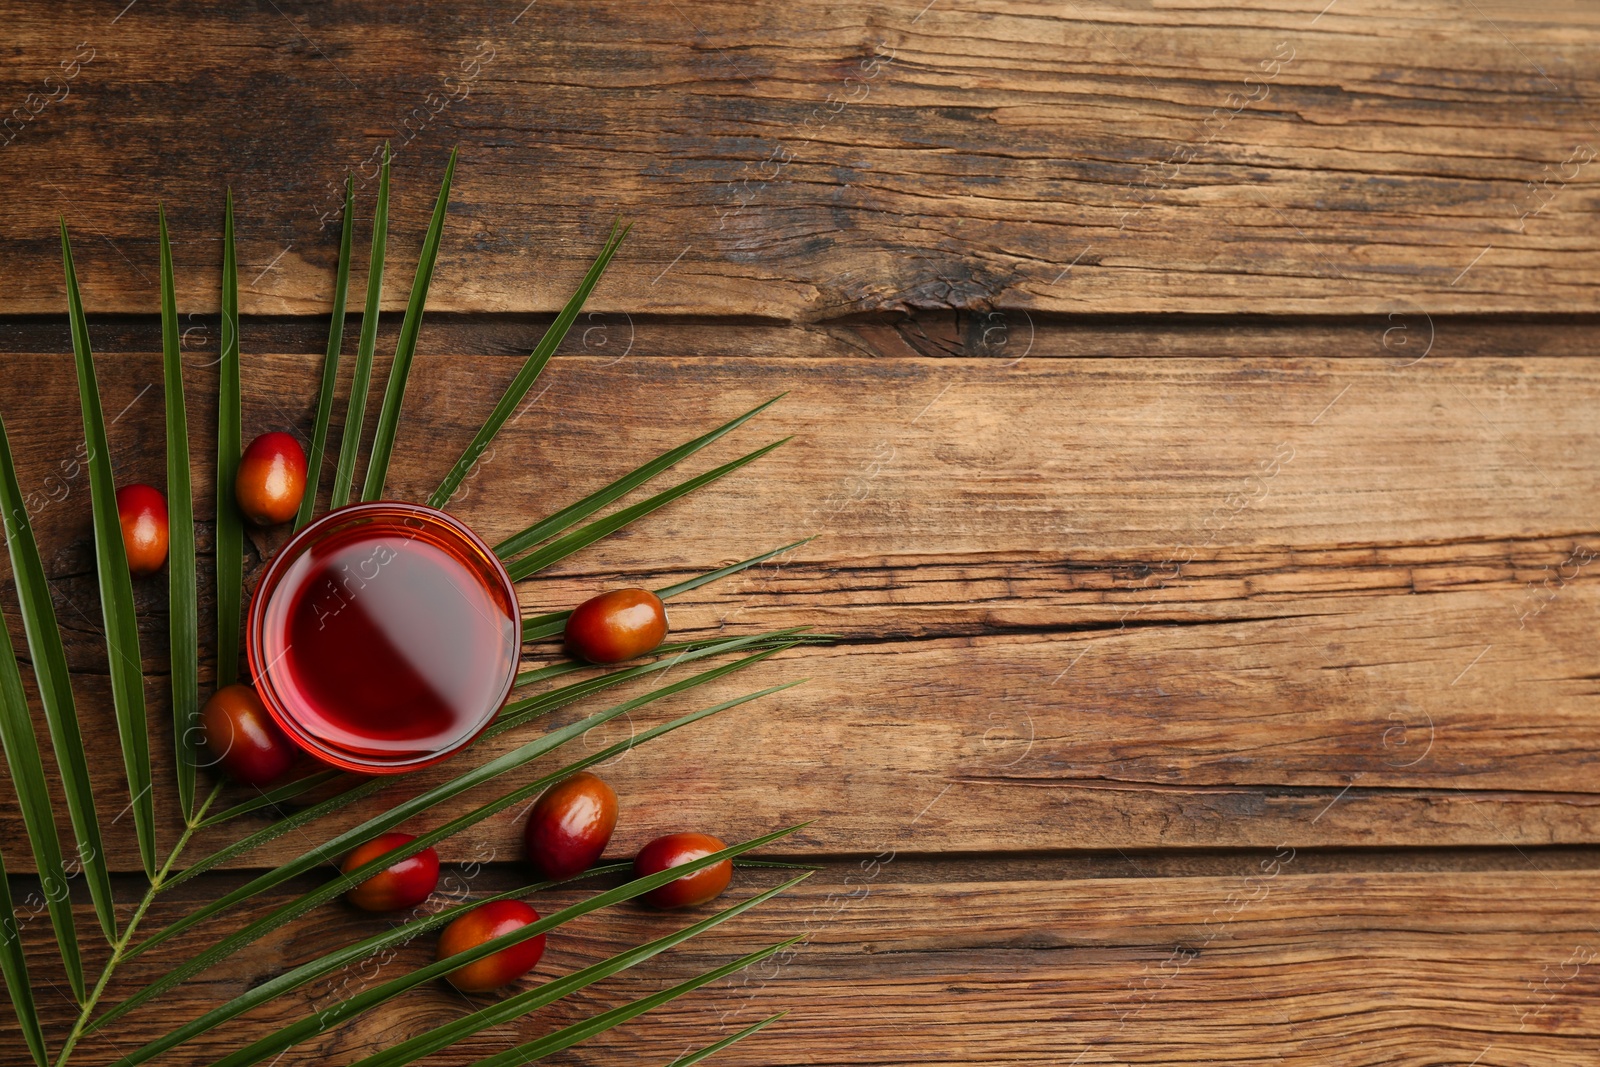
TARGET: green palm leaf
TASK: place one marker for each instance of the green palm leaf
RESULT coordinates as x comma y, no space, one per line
356,411
14,967
183,619
547,702
270,797
538,546
296,977
518,712
342,882
387,821
538,627
271,832
477,776
394,392
514,1007
330,361
794,634
530,370
574,513
568,1036
718,1046
33,797
229,537
116,584
670,591
55,686
562,547
298,1031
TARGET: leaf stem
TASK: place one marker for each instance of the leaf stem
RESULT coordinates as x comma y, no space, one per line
120,946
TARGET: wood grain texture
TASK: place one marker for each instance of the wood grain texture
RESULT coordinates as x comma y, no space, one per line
998,336
1261,965
788,163
1196,407
1129,603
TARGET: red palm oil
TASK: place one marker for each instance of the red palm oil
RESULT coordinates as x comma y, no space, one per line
384,637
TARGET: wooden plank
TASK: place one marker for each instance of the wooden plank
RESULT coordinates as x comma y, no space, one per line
959,456
1386,642
787,164
1157,743
1262,965
1403,338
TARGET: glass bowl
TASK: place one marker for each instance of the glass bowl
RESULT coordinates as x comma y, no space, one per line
384,637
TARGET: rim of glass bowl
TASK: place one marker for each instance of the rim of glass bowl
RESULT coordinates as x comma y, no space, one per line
291,551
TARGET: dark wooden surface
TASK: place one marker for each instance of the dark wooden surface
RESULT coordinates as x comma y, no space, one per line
1189,497
803,161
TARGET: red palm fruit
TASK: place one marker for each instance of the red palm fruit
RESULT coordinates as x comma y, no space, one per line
142,511
674,850
404,884
571,824
485,923
272,479
243,737
615,626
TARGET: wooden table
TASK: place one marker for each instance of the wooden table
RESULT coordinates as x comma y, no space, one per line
1196,408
